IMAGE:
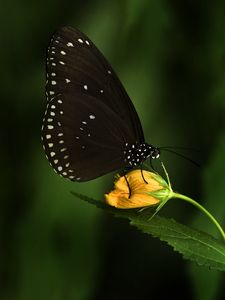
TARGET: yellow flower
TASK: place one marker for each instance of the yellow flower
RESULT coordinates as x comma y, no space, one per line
142,193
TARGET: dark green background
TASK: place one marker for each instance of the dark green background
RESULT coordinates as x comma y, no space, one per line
170,56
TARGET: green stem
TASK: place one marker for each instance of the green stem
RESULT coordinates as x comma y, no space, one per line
193,202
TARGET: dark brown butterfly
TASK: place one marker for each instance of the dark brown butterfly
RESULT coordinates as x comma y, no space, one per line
90,126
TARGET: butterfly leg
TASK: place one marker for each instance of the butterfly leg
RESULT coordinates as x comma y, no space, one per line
151,164
128,186
142,175
124,174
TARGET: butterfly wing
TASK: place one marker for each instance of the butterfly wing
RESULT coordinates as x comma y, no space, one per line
89,116
74,63
82,141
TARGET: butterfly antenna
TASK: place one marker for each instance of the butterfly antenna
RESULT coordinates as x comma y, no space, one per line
180,148
181,155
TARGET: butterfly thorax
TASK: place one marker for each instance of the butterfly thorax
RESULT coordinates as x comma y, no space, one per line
136,154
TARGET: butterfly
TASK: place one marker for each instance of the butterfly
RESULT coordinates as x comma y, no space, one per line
90,126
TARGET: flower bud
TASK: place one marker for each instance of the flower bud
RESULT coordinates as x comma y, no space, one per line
141,193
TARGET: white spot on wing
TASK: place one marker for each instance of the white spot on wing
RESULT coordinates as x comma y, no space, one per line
69,44
92,117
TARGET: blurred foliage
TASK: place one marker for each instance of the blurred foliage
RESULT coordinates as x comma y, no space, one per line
213,181
170,57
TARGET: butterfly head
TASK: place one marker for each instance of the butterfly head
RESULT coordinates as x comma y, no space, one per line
153,152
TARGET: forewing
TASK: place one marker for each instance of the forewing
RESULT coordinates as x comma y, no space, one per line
74,65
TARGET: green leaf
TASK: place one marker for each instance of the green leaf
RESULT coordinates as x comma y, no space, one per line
194,245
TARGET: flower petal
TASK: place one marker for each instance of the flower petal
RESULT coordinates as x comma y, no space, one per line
140,190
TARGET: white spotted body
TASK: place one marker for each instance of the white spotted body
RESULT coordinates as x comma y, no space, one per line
136,154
